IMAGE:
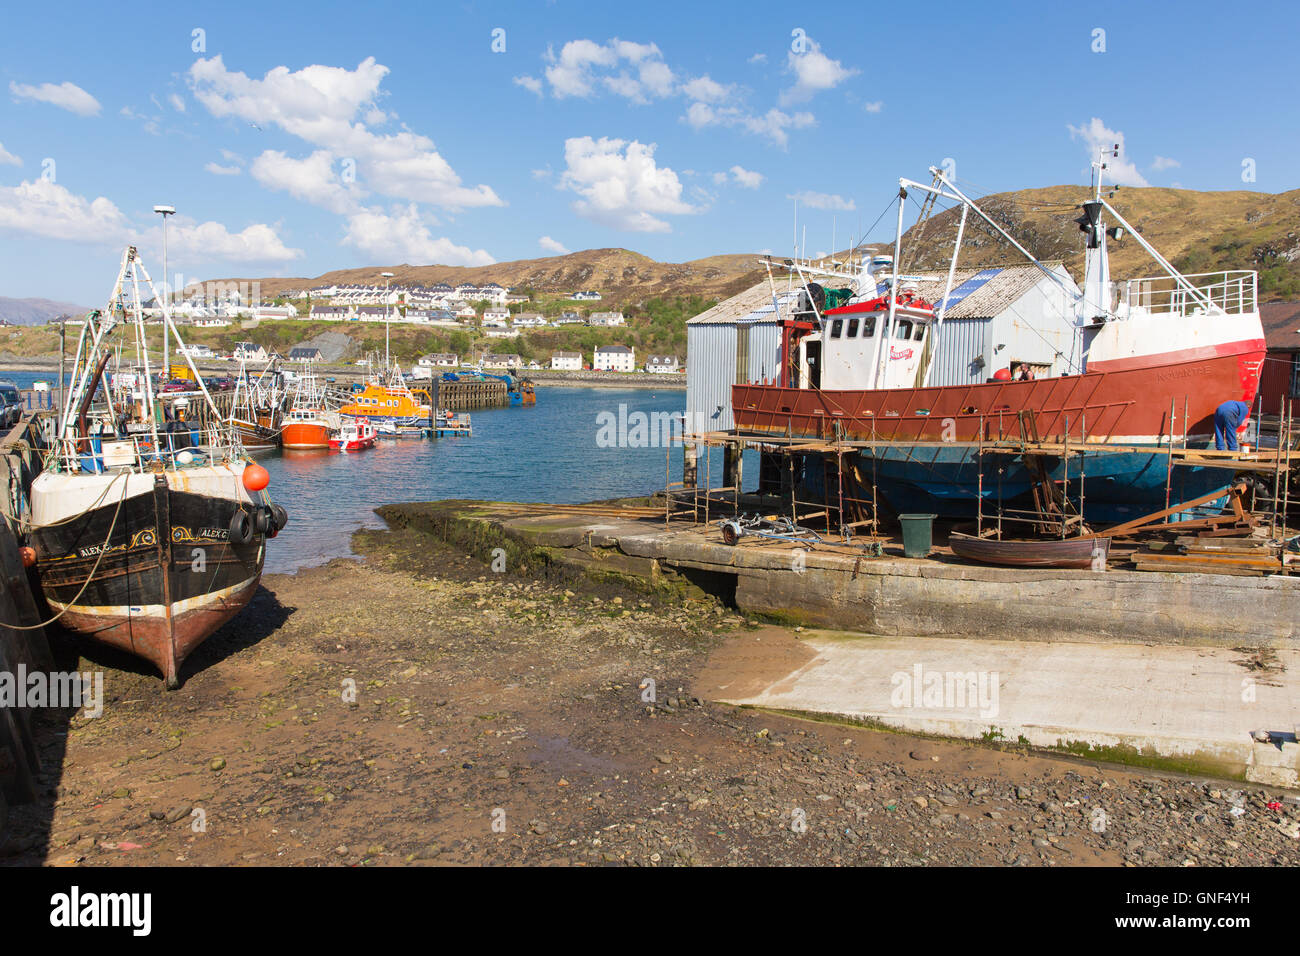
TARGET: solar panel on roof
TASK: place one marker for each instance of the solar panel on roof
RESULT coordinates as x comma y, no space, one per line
977,281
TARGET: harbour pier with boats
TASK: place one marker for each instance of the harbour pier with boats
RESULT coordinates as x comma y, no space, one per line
842,503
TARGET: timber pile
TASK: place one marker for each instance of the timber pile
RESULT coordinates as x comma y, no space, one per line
1214,554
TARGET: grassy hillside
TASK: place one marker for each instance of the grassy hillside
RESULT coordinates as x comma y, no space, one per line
626,279
1196,231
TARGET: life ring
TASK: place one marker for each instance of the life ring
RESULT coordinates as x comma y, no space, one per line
241,527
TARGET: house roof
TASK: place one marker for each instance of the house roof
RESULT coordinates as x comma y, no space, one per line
613,348
976,293
302,351
1281,321
576,355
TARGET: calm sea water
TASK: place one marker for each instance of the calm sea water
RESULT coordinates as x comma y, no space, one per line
547,452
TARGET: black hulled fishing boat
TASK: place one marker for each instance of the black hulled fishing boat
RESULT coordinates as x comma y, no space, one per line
148,536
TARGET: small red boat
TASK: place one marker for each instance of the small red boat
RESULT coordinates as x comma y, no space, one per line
353,435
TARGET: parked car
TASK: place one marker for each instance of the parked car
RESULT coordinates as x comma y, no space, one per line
11,404
178,385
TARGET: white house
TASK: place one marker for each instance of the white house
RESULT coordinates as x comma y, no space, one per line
530,320
196,351
249,352
496,318
440,360
587,296
332,313
606,319
662,363
566,361
275,312
211,322
305,353
614,358
502,361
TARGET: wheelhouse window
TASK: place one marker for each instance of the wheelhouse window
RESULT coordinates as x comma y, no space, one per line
918,333
904,329
868,327
837,327
853,329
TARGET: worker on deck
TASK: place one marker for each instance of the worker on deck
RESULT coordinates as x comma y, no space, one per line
1228,419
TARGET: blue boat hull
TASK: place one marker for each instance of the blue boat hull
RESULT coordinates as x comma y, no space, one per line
1116,486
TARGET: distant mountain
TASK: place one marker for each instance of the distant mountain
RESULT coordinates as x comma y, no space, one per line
621,276
1196,231
37,311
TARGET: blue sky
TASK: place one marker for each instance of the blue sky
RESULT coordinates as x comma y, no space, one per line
298,138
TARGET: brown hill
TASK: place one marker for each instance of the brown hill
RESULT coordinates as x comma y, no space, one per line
621,276
1196,231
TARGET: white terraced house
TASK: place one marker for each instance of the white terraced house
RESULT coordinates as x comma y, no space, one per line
332,313
614,358
566,361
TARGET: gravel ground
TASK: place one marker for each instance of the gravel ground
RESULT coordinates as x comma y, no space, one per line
416,708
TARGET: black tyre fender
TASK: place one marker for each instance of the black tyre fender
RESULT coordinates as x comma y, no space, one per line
262,520
279,517
241,527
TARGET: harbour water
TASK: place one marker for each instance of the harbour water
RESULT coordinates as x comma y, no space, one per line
554,451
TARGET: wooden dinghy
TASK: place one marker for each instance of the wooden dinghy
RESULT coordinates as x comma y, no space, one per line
1031,553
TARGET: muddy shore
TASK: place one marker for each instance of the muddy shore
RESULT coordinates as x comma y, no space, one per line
415,707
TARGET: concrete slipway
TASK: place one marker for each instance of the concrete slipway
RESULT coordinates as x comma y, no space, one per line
1175,670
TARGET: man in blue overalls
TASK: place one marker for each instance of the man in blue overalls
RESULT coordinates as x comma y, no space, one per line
1227,419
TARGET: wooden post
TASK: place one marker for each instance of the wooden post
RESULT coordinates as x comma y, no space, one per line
690,464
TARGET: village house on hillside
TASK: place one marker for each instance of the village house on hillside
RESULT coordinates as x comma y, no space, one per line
566,361
587,296
662,363
606,319
614,358
249,352
440,360
305,353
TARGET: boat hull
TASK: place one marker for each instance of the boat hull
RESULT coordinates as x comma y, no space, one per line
1063,553
926,458
168,576
300,435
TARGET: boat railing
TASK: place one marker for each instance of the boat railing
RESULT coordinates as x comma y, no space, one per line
137,451
1234,292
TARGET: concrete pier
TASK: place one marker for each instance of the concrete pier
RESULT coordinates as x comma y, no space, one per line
889,595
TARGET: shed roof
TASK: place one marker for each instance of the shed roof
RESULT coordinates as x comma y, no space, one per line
1281,321
976,293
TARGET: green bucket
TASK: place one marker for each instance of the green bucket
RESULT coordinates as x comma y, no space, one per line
918,534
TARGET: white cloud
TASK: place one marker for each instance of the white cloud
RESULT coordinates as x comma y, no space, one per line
177,102
320,104
1161,163
621,185
704,89
758,58
584,66
531,83
401,235
47,210
212,240
773,125
746,178
66,96
552,245
216,169
814,72
874,106
7,158
313,179
1119,169
814,200
43,208
232,157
